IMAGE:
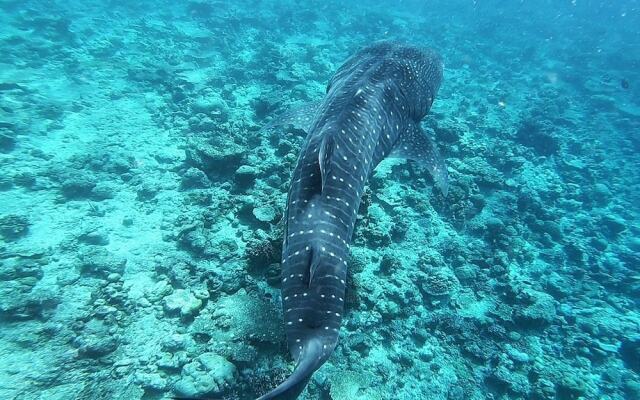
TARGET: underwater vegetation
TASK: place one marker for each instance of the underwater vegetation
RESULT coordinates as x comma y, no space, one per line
142,202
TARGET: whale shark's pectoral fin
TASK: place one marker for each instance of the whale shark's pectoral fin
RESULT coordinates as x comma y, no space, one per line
300,117
416,145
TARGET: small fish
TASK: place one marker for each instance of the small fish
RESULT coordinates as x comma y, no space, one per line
624,83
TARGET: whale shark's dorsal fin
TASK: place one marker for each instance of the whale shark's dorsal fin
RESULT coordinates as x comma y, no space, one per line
324,155
314,263
414,144
301,117
314,210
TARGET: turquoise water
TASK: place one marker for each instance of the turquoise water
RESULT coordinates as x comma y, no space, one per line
141,201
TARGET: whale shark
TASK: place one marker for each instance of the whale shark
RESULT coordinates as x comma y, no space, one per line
371,110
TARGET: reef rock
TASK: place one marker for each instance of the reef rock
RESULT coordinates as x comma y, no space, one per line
208,374
96,340
352,385
194,178
245,175
240,315
7,140
13,227
99,262
439,282
183,302
630,353
539,309
22,298
264,213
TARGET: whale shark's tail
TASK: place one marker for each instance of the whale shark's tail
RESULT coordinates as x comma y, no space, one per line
310,359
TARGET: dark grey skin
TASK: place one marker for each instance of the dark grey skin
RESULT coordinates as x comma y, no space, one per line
373,108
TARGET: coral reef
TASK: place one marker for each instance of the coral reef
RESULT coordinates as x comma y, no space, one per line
145,159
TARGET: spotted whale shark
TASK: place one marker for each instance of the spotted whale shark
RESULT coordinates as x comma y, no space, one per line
372,110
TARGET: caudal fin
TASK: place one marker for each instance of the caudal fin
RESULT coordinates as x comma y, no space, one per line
309,361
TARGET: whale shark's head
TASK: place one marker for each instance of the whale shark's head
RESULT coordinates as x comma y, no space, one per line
413,73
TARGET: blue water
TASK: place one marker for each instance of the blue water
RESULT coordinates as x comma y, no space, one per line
141,201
